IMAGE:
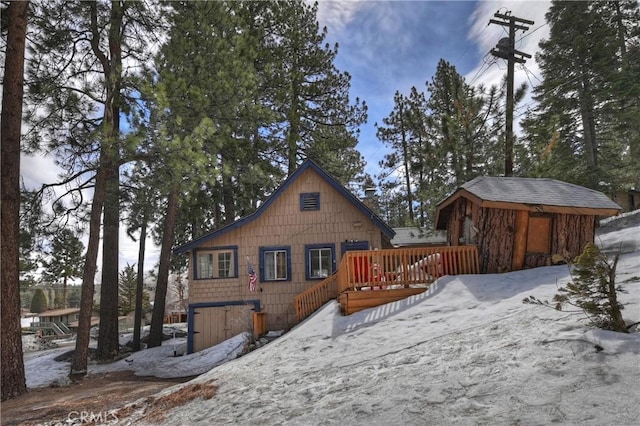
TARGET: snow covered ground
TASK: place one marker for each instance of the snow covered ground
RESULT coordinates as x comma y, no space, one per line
466,352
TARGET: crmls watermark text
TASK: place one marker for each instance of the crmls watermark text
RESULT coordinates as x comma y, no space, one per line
101,417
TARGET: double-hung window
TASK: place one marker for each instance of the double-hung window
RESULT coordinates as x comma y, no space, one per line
275,264
319,261
220,262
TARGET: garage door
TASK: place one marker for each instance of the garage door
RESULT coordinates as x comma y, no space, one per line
213,325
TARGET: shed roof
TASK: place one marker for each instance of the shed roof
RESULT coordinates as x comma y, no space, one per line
533,194
307,164
412,236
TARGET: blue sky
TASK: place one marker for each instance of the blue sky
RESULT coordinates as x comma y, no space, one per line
390,46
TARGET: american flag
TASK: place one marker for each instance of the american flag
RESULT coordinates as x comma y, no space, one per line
253,279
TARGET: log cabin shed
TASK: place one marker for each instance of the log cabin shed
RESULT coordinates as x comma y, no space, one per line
520,223
293,241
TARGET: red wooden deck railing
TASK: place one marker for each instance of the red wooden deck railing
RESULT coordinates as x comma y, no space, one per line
385,269
388,270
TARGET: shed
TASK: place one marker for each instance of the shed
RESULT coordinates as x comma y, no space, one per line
520,223
628,199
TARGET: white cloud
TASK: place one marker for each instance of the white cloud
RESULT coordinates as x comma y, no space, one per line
487,36
337,14
38,169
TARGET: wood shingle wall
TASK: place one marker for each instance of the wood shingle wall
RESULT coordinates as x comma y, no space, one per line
284,224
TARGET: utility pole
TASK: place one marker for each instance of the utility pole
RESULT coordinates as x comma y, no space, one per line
506,50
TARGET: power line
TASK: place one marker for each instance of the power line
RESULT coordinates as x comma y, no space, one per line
532,31
482,71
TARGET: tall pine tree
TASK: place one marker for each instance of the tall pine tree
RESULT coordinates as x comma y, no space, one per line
585,128
311,97
13,377
66,261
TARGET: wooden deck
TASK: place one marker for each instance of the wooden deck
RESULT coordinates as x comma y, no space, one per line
352,301
371,278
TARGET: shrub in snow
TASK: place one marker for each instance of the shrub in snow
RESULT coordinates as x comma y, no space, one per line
593,290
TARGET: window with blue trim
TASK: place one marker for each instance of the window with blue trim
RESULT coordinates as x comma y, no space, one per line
275,263
310,201
320,261
216,262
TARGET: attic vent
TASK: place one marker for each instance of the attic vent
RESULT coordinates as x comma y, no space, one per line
310,201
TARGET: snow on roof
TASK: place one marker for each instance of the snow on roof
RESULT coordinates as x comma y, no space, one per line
412,236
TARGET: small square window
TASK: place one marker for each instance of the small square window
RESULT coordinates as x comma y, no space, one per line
310,201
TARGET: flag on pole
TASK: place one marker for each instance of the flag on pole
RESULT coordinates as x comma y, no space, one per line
253,279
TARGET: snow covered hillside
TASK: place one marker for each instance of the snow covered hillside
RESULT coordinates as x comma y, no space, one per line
466,352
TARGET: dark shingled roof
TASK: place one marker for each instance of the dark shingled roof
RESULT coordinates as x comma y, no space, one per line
533,194
541,191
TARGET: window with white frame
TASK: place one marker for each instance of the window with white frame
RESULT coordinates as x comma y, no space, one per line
276,264
319,261
216,263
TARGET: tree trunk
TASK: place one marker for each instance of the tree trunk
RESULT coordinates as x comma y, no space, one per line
588,129
157,320
64,292
571,233
405,163
496,231
617,322
137,322
294,130
13,377
80,355
108,341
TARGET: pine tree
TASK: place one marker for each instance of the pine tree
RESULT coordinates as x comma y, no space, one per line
467,120
127,290
310,93
585,128
397,135
185,103
39,302
78,93
30,236
593,289
13,376
66,261
141,201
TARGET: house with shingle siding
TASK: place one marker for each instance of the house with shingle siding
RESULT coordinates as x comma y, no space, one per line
294,240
